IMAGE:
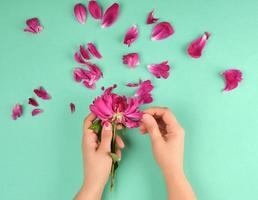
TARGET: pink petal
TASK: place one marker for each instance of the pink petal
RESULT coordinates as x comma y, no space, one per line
131,59
36,111
160,70
72,107
134,84
196,47
95,9
232,77
42,93
84,52
78,57
93,50
110,15
17,111
80,13
161,31
33,25
131,35
143,93
33,102
151,19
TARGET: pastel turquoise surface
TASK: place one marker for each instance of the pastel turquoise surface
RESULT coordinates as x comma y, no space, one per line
40,157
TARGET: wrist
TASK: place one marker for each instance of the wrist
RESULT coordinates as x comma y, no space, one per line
90,191
174,174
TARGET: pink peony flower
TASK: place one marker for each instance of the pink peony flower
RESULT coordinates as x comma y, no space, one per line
117,109
232,77
196,47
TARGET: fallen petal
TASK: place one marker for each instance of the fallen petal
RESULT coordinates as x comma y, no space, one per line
33,102
95,9
151,19
131,59
80,13
93,50
78,57
160,70
84,52
131,35
232,77
17,111
42,93
134,84
72,107
36,111
110,15
33,26
161,31
143,93
196,47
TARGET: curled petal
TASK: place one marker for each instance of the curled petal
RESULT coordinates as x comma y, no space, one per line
42,93
84,52
93,50
196,47
80,13
95,9
131,59
33,102
161,31
110,15
134,84
232,77
131,35
17,111
143,93
160,70
151,19
33,26
72,107
36,111
78,57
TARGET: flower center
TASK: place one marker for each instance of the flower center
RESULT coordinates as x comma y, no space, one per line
118,117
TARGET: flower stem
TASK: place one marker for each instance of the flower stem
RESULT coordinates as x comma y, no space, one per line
113,150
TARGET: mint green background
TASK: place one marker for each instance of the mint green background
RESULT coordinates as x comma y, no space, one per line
40,157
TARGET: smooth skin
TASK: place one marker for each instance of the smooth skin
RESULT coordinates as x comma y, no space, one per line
167,138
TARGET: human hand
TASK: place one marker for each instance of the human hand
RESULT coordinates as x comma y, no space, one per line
97,161
167,137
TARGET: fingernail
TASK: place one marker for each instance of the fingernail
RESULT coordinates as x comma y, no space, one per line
107,126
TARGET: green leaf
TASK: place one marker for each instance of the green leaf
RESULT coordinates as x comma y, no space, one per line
114,157
96,126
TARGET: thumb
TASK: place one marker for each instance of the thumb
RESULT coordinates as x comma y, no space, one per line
151,126
106,137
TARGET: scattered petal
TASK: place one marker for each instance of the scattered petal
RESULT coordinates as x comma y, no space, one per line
110,15
84,52
160,70
93,50
95,9
131,35
162,30
33,26
143,93
17,111
196,47
33,102
232,77
80,13
131,59
151,19
134,84
72,107
36,111
42,93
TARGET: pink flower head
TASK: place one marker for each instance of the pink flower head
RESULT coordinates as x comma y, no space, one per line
160,70
36,111
143,93
95,9
88,77
80,13
232,77
17,111
162,30
72,107
196,47
33,102
110,15
117,109
33,26
131,35
42,93
151,19
93,50
131,59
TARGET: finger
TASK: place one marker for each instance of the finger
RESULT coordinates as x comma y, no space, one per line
106,137
120,142
151,126
119,153
90,141
88,122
